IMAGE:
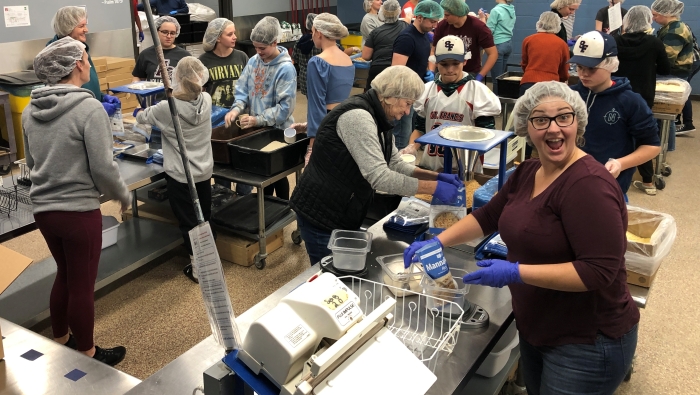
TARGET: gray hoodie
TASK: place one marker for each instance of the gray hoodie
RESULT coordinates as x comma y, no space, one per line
195,120
68,145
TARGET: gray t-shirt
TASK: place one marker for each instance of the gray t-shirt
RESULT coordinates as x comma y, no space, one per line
223,75
147,65
381,40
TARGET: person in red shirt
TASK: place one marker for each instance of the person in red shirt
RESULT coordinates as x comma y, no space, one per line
563,218
473,32
407,11
544,55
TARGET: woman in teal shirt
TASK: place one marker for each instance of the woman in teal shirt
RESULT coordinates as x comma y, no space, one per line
72,21
501,21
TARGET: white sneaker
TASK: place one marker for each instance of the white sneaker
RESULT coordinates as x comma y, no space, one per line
194,268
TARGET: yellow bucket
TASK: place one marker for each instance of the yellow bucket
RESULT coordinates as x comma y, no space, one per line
17,105
351,41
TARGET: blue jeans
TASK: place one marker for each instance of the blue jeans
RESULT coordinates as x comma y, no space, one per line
578,368
315,240
402,130
504,51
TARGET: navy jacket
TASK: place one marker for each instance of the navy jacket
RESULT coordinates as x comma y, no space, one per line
619,120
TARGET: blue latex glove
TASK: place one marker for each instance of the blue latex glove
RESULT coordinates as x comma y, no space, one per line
446,192
495,273
111,100
110,108
429,76
408,253
450,178
430,35
141,37
173,12
136,111
479,78
571,42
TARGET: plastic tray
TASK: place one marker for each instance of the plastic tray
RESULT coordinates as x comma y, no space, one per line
506,88
221,136
242,213
350,248
246,155
110,228
396,277
456,295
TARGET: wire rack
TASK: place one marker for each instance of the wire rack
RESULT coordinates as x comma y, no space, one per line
427,325
14,189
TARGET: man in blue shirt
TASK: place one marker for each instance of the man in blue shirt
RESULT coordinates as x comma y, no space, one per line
168,7
412,49
618,118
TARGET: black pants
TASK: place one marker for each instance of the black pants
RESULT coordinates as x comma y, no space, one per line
181,204
373,73
646,170
280,187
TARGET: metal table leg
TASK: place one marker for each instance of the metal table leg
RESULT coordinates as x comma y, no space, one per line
296,234
262,242
134,204
660,161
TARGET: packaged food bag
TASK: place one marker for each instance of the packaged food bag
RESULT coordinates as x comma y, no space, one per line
435,266
443,215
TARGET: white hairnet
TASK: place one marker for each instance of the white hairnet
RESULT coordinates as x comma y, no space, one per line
637,20
310,20
544,92
668,7
57,60
66,19
557,4
610,64
267,31
367,5
390,11
214,31
330,26
163,19
549,22
188,78
398,81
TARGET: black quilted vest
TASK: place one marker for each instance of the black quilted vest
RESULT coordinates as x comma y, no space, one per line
332,193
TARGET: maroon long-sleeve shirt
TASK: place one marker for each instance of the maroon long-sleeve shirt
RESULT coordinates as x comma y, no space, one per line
581,218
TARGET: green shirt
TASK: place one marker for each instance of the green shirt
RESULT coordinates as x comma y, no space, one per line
501,22
678,41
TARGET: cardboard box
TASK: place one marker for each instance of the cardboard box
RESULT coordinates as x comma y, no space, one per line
647,225
118,77
115,63
99,61
667,108
242,251
640,279
13,264
100,68
119,83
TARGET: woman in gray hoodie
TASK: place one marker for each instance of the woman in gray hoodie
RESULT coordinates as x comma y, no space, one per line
68,146
194,107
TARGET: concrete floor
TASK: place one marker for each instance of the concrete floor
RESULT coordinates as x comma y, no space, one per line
159,315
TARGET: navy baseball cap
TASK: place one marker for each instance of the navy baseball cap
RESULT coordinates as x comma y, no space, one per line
592,48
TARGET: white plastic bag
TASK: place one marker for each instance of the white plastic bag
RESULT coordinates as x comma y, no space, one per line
657,231
201,13
672,91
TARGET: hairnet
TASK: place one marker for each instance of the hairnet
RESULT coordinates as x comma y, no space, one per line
398,81
668,7
367,5
188,78
214,31
544,92
66,19
429,10
163,19
549,22
57,60
330,26
310,20
455,7
557,4
637,20
267,31
390,11
610,64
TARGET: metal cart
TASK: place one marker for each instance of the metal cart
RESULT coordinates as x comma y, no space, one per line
260,182
661,168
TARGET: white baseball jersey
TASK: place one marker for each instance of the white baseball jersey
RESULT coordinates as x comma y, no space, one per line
470,101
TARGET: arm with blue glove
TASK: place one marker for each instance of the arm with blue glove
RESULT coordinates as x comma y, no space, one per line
110,104
495,273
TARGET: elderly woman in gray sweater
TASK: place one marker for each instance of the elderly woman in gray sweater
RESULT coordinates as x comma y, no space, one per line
68,147
194,108
354,155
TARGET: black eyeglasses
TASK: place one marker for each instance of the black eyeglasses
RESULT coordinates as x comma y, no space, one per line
562,120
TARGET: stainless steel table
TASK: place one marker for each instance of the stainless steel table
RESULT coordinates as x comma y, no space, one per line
47,373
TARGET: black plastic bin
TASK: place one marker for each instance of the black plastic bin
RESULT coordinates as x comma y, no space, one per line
245,153
509,88
242,213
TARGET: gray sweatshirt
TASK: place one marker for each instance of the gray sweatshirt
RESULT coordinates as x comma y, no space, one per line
68,145
195,120
359,134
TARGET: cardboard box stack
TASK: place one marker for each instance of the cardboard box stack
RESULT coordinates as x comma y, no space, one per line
13,264
114,72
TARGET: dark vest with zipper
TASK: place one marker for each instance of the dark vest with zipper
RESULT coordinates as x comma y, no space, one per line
332,193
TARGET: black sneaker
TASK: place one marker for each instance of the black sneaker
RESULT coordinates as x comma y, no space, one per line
110,356
71,343
188,272
687,128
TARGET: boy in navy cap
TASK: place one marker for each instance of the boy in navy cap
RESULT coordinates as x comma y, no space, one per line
618,118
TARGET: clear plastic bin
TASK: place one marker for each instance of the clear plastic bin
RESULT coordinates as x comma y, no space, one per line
397,278
349,248
456,295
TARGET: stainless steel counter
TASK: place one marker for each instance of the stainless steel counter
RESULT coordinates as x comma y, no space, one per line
47,373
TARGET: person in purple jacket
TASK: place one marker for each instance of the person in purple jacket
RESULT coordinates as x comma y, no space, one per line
563,218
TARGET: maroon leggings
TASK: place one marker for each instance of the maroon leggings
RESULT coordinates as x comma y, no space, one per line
75,241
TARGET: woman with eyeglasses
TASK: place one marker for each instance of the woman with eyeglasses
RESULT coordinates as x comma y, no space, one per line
147,65
354,155
563,218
